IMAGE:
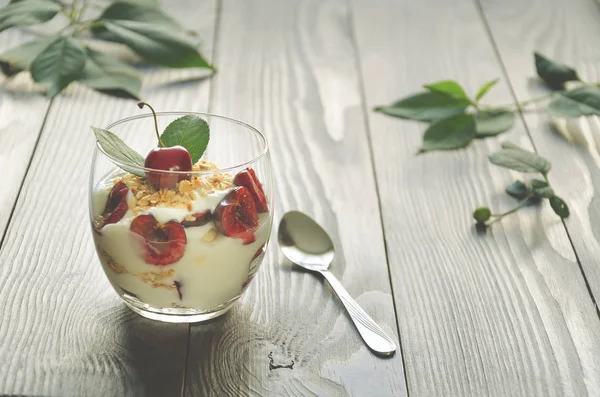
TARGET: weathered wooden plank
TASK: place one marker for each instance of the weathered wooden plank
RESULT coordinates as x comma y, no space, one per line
503,314
22,112
289,69
556,29
63,330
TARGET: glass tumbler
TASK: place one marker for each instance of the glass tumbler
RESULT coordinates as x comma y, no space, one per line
184,253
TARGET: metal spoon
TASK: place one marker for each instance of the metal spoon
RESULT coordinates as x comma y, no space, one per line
306,244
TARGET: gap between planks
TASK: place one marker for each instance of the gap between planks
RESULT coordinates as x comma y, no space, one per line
35,146
213,56
513,94
365,110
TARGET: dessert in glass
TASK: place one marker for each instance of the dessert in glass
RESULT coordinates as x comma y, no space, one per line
181,232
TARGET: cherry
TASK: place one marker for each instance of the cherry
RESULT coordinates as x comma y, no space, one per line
163,243
198,219
174,158
249,180
236,215
116,206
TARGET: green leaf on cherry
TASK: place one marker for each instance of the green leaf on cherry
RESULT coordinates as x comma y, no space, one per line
117,149
191,132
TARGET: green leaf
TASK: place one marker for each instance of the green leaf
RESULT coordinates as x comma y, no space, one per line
149,3
510,145
482,214
58,65
189,131
559,206
156,45
493,122
553,73
453,132
19,58
538,184
135,10
485,88
448,87
116,148
582,101
541,188
425,106
17,1
107,74
140,11
520,160
27,12
518,190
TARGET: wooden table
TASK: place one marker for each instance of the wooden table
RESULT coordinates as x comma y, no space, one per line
512,313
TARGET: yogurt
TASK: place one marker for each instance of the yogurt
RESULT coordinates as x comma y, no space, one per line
213,270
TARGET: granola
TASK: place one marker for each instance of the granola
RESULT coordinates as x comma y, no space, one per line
146,196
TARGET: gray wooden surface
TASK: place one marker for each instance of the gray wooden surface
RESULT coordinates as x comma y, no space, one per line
511,313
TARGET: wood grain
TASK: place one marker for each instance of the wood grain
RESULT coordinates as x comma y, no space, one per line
63,330
22,112
292,74
557,29
505,313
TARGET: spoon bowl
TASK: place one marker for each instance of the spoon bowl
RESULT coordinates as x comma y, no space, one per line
304,242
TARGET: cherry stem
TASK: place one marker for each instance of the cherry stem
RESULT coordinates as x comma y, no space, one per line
141,106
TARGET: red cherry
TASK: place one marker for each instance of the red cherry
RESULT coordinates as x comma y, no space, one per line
198,219
236,215
248,179
174,158
164,244
116,205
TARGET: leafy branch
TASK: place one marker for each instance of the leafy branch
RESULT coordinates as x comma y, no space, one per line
517,159
455,119
63,57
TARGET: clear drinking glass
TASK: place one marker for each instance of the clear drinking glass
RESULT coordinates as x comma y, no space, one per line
178,255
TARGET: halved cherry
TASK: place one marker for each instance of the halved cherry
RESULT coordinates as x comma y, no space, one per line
164,243
198,219
249,180
236,215
116,205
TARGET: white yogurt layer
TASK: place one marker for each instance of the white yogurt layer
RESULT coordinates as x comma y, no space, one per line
211,271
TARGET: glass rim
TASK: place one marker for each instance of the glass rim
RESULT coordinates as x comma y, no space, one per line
130,166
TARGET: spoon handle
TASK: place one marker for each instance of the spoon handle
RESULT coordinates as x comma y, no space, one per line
371,333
